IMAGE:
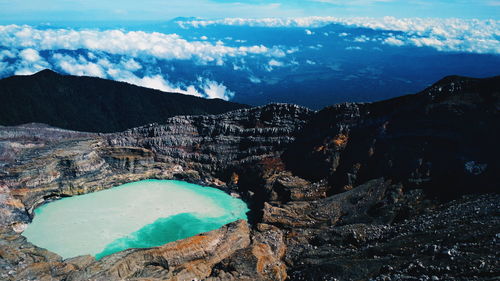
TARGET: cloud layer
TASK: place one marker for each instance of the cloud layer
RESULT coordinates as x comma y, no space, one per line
133,43
21,48
455,35
199,63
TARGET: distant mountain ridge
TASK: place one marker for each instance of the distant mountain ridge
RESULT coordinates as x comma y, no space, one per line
93,104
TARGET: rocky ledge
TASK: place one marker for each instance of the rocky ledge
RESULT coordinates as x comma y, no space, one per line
404,189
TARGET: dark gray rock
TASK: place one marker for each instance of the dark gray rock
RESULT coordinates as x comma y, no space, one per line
405,189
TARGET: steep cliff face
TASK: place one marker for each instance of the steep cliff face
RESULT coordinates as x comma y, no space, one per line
212,144
352,192
443,139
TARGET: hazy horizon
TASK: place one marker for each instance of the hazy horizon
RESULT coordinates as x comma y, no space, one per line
164,10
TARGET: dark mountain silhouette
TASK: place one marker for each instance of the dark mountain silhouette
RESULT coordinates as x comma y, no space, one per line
94,104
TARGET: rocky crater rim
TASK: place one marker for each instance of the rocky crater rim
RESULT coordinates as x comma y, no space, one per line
333,194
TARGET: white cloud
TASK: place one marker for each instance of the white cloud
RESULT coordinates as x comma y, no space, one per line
123,72
428,42
207,88
275,63
123,56
254,80
456,35
78,66
104,68
262,22
133,43
214,90
30,55
393,41
157,82
309,32
316,47
131,64
240,65
29,61
7,54
362,39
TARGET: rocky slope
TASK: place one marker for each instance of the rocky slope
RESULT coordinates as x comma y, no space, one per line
404,189
94,104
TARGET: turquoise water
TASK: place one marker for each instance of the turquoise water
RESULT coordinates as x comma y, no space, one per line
135,215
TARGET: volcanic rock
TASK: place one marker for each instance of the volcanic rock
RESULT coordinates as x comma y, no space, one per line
404,189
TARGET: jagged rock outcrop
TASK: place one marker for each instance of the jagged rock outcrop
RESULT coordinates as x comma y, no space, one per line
443,139
404,189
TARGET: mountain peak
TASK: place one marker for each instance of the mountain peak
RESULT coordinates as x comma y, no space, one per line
455,84
94,104
452,78
46,72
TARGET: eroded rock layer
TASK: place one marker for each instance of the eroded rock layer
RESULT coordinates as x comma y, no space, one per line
404,189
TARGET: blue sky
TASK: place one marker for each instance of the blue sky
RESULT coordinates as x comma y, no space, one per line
17,11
